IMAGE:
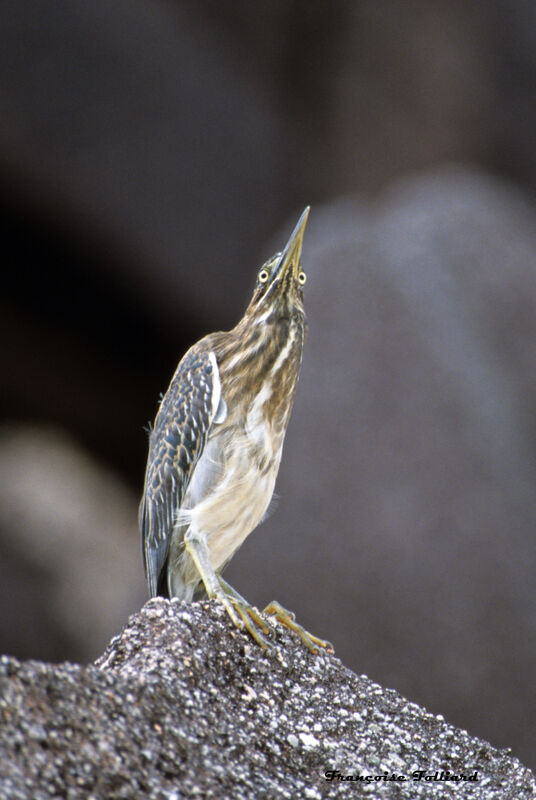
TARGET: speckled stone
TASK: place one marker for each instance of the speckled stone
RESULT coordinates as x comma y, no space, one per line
183,705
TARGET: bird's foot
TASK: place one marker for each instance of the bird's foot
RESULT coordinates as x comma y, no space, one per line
241,613
244,615
288,619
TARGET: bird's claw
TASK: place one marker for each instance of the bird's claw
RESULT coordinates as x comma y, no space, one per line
246,616
288,618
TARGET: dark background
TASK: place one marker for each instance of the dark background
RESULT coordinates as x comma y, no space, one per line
152,155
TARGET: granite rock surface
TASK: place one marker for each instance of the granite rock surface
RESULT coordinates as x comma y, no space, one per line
182,705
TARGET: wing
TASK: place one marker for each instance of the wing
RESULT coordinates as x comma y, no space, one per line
181,427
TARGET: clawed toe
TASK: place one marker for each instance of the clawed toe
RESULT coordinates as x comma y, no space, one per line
254,624
288,619
247,616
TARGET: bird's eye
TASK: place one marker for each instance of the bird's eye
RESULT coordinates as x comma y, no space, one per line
263,276
302,277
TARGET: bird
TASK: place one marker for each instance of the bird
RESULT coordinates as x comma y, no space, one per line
216,443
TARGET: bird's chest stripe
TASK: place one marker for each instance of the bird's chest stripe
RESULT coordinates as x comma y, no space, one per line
258,425
284,354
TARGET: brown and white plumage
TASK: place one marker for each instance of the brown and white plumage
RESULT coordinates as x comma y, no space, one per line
216,444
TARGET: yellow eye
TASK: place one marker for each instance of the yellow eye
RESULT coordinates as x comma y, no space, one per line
263,276
302,277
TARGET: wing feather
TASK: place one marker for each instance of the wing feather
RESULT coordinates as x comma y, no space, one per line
177,440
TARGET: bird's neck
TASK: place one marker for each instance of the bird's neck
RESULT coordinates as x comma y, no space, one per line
259,362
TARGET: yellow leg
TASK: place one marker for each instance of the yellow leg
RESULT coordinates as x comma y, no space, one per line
240,612
250,616
288,619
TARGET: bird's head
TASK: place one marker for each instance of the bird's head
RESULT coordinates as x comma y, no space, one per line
279,288
260,358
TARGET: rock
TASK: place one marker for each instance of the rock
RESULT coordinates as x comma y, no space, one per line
70,566
183,705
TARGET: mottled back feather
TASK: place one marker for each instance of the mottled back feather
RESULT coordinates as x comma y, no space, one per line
176,443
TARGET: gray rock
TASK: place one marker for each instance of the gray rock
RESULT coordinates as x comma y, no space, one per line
70,567
183,705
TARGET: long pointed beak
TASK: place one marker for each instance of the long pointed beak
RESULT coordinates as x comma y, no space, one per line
292,252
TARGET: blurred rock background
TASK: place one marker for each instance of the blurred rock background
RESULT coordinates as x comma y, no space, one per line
152,154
